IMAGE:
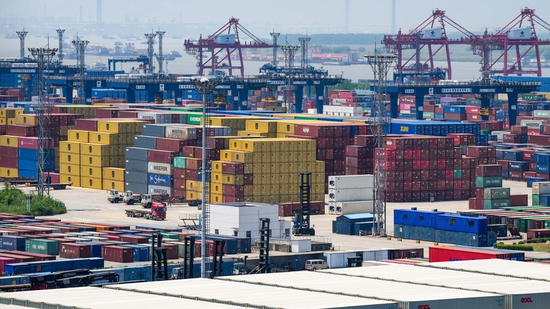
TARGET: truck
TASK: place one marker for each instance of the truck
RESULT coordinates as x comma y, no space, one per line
130,198
157,212
114,196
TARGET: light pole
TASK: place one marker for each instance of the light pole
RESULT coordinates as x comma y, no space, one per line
206,86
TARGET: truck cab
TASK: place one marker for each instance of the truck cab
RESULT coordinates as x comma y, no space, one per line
158,210
114,196
146,200
130,198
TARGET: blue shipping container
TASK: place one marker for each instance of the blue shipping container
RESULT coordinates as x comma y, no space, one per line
159,180
12,243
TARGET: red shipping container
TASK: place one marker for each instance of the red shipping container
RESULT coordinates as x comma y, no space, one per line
493,170
112,237
538,233
171,251
193,164
18,258
21,130
134,239
8,152
237,191
117,254
161,156
446,254
232,168
75,251
472,110
179,183
3,262
179,173
106,112
191,175
170,144
86,124
518,200
539,139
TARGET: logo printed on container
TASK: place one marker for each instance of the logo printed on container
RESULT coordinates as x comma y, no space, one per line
423,306
526,300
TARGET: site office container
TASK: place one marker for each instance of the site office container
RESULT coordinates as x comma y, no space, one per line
446,254
118,254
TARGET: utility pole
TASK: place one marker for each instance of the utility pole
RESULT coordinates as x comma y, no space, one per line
60,53
275,36
43,57
22,35
206,86
80,49
150,50
160,57
380,64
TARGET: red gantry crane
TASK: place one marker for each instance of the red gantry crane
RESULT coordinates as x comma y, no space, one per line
430,35
514,42
218,50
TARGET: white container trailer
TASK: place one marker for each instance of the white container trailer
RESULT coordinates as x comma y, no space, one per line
541,188
351,182
353,207
348,195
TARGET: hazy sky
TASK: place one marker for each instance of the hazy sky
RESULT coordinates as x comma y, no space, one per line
313,16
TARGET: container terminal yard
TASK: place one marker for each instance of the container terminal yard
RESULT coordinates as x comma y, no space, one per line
279,190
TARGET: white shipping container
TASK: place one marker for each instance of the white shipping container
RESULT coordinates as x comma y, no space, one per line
520,34
499,134
533,124
541,188
354,207
431,34
160,190
181,132
350,182
225,39
159,168
347,195
158,117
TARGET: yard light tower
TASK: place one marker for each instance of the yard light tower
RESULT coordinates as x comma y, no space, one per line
205,86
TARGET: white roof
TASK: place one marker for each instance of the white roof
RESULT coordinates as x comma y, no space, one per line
101,298
324,281
243,293
449,278
516,269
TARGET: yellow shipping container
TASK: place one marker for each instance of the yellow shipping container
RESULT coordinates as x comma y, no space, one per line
265,126
216,188
248,190
89,171
193,195
112,126
109,184
320,167
95,149
96,161
258,134
75,179
64,130
255,145
229,179
216,198
266,179
3,121
104,138
69,158
69,169
192,185
11,121
216,177
113,173
79,136
238,156
26,119
9,141
10,112
258,157
285,127
257,168
91,183
217,166
67,146
8,172
257,179
220,121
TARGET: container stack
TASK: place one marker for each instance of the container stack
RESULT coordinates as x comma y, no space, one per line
422,168
9,156
350,194
359,159
271,170
442,227
7,116
489,191
28,157
541,193
94,145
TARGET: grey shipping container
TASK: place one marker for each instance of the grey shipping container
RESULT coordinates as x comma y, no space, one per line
154,130
135,176
138,188
136,165
136,153
143,141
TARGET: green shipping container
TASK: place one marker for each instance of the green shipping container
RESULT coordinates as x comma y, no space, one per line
531,97
536,200
44,246
170,236
458,174
194,118
485,132
488,182
306,118
428,115
496,204
541,114
496,193
179,162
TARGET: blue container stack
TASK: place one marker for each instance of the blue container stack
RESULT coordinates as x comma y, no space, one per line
353,224
438,129
442,227
28,162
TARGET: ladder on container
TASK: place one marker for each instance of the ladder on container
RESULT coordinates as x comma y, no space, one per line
263,262
159,266
302,216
